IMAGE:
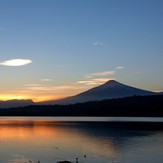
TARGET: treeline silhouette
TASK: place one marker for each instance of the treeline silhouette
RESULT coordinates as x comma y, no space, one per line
144,106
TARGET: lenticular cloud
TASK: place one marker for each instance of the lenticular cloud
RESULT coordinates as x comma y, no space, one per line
16,62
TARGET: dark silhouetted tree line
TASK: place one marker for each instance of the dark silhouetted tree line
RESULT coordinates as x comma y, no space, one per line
145,106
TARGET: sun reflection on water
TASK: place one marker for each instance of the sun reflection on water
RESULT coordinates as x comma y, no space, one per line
47,140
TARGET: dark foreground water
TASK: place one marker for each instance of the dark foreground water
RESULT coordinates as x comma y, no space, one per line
49,140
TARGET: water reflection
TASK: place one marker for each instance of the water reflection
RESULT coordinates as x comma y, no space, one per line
52,141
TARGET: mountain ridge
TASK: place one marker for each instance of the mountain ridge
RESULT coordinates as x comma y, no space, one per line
109,90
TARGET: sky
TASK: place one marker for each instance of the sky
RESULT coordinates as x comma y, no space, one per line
50,49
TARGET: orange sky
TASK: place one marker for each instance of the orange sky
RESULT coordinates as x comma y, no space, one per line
38,92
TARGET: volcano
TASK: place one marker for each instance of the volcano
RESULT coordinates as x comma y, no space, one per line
109,90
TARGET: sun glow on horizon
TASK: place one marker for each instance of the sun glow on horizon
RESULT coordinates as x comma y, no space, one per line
34,98
12,97
42,93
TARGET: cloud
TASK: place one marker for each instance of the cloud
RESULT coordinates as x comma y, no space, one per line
46,80
119,67
97,78
104,73
45,93
97,81
16,62
100,74
49,88
84,82
98,43
31,85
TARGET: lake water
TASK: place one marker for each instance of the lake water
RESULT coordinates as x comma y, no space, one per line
88,140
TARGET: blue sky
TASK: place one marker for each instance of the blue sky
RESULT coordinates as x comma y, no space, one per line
62,47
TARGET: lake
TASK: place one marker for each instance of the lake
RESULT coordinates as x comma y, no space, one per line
86,140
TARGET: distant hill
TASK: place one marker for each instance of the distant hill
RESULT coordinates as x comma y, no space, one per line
15,103
109,90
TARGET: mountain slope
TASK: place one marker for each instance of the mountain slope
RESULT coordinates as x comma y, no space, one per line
109,90
15,103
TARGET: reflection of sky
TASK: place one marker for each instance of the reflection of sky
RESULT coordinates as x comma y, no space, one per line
48,137
51,141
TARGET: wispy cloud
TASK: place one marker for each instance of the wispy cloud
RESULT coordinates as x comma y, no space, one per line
59,89
97,81
16,62
104,73
97,78
31,85
119,67
49,92
98,43
46,80
41,92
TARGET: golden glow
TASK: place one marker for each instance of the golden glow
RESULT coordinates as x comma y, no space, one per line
39,93
23,131
35,98
11,97
46,98
40,133
45,92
